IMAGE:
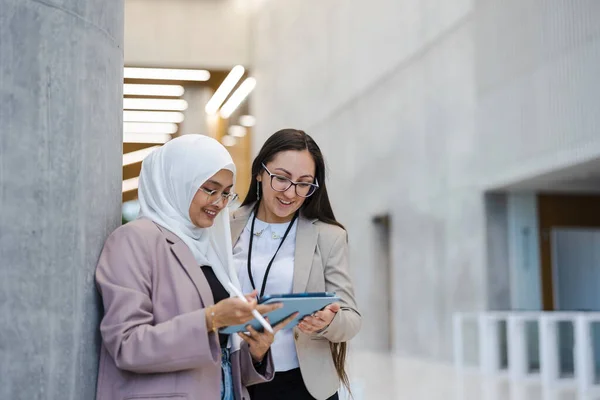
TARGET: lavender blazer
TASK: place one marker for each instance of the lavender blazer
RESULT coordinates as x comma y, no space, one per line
155,344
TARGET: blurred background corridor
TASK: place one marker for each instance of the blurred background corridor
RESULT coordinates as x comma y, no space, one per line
463,145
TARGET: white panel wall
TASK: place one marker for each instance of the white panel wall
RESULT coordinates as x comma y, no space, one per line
419,106
187,33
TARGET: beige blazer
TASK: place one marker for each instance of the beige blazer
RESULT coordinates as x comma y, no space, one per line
321,264
155,344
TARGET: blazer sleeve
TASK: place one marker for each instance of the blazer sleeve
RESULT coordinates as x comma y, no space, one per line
129,332
249,374
346,323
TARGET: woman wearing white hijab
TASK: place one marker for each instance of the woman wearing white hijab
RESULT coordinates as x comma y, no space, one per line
163,279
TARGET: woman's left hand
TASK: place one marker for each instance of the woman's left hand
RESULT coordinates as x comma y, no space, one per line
319,320
259,342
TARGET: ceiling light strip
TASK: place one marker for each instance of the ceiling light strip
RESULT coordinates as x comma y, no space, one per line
149,127
224,89
138,155
199,75
153,116
146,138
132,89
238,97
155,104
131,184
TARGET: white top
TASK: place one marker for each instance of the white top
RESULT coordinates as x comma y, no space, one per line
279,281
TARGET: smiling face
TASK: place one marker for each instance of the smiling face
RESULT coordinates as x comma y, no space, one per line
205,208
279,207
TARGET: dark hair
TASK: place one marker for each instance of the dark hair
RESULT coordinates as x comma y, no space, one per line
316,206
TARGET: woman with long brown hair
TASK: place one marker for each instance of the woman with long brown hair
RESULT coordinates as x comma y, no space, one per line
287,240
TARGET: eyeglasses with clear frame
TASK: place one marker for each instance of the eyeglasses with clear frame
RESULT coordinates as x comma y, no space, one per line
280,183
226,197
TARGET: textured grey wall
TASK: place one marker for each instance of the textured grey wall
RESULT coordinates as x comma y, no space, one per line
537,86
61,66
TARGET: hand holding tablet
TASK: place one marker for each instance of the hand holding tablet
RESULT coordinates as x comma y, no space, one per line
320,320
305,304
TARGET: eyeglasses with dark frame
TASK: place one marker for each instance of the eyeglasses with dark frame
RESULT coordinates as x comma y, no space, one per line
226,197
280,183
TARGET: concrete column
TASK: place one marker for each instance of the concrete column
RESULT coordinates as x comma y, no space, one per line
61,66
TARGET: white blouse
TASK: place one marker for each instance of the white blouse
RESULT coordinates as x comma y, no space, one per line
280,280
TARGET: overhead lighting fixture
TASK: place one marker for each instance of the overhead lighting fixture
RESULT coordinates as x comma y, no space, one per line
155,104
237,97
131,184
138,155
168,74
153,116
149,127
224,89
131,89
228,141
145,138
247,120
237,131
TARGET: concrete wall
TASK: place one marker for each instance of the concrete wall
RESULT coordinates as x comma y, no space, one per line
61,73
187,33
420,106
537,73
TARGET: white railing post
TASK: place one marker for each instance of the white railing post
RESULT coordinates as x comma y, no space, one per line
552,383
488,344
584,355
549,365
517,348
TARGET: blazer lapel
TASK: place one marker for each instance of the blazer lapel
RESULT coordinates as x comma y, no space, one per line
188,262
238,222
306,242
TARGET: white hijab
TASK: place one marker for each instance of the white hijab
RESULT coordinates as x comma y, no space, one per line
169,180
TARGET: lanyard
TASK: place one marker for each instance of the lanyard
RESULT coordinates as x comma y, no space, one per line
264,283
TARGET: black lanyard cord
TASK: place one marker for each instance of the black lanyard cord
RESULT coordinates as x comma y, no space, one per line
264,283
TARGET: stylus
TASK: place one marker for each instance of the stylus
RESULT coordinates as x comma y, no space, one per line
256,314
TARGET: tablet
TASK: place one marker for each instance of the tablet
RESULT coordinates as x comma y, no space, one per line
303,303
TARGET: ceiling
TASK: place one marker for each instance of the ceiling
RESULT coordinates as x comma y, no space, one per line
583,177
240,149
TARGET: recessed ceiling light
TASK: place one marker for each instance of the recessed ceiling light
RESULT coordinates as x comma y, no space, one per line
228,141
247,121
237,131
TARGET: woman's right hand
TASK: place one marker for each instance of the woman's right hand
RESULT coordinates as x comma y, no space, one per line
235,311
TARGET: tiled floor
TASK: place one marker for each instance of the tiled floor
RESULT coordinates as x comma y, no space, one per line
380,376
